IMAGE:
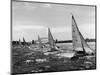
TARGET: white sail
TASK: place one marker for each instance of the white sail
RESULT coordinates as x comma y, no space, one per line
50,39
78,40
85,45
76,36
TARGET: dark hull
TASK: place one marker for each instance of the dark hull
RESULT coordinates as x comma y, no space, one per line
52,50
79,54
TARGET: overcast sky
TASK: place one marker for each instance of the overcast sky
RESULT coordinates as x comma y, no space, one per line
32,19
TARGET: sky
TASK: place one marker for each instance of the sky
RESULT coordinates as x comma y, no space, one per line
30,19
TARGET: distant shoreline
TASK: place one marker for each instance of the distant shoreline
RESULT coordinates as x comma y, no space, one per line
56,41
70,41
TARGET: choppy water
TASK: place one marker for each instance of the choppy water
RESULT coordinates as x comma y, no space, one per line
69,45
54,62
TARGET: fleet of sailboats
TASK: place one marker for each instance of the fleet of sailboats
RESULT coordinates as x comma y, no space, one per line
46,57
80,46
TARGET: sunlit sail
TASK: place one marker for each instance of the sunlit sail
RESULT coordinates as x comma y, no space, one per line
79,43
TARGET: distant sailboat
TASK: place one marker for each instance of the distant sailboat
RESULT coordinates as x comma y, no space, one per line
19,42
79,44
40,43
24,42
51,41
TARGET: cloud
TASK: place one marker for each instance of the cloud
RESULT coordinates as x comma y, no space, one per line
46,5
29,6
29,27
59,29
57,17
23,5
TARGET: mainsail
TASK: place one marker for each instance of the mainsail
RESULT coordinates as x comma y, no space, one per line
79,43
51,40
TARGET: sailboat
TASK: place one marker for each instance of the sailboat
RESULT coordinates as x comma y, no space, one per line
24,42
51,42
19,42
40,43
80,46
